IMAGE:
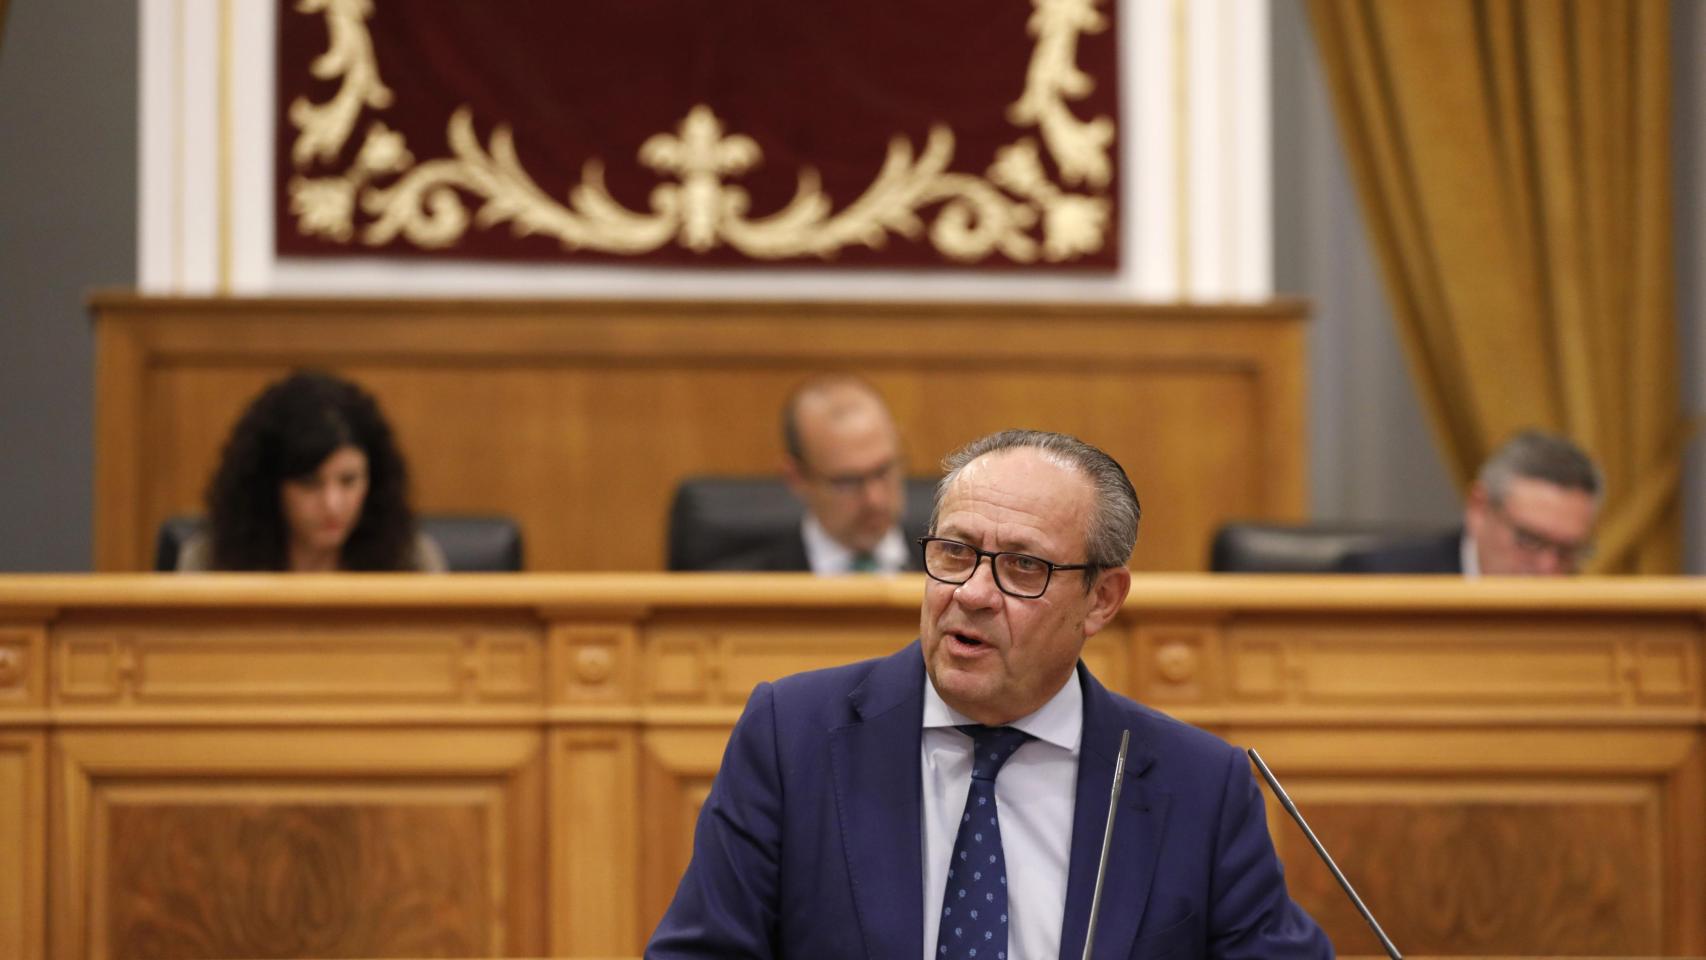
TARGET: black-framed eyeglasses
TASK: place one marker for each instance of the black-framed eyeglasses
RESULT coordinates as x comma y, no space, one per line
1016,574
1532,542
853,484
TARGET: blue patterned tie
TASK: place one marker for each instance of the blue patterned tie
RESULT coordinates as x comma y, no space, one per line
974,908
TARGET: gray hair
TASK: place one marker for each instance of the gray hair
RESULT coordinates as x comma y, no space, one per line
1113,521
1538,455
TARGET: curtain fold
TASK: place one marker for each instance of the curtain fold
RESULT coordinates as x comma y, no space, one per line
1513,162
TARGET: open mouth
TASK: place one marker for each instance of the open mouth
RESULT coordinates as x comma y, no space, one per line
966,642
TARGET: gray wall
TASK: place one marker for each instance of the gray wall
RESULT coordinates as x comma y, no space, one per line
68,95
1371,453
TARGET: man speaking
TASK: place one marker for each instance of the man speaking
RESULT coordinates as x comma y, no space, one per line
948,801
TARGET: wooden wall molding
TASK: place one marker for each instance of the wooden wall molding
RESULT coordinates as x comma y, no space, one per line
411,841
23,843
578,418
23,666
527,754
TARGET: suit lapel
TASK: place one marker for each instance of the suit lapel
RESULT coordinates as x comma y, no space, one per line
1137,830
879,803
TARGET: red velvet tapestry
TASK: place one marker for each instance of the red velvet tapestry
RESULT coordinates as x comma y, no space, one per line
911,133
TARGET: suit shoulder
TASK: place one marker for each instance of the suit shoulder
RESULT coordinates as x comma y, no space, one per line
1168,737
827,679
823,693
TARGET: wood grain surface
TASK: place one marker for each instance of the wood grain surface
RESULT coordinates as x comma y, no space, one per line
579,418
472,766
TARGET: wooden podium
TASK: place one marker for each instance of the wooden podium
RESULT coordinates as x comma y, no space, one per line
476,766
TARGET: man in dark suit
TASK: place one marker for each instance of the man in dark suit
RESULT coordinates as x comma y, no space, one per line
844,462
949,800
1531,512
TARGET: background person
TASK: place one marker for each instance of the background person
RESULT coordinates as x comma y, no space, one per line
844,461
310,481
1531,512
850,816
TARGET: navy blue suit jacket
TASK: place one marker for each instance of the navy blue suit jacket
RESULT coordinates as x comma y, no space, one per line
1441,554
809,846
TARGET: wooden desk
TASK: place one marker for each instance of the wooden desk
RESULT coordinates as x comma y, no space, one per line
470,766
595,410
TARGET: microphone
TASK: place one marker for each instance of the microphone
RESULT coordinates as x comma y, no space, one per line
1291,808
1107,843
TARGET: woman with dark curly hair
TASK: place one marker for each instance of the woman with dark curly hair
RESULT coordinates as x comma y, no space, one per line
310,481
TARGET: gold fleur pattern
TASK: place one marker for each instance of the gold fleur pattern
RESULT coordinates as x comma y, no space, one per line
697,202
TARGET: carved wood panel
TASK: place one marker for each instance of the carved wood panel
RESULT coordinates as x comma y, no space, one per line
1512,868
596,842
309,658
1582,662
1557,807
349,874
677,767
23,666
687,663
203,844
23,806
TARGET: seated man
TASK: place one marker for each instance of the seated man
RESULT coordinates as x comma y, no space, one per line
843,461
851,818
1531,512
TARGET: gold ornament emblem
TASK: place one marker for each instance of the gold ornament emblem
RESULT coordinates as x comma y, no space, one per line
695,204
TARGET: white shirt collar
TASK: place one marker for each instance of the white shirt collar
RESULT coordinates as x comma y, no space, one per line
1060,721
1469,556
827,556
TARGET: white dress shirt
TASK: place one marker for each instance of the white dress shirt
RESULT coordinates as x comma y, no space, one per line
829,558
1469,555
1034,794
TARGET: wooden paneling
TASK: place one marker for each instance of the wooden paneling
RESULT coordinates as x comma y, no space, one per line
327,843
679,765
326,659
23,846
473,766
23,666
595,848
579,418
1516,867
335,871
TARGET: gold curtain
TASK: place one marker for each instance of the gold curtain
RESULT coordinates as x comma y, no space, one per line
1513,160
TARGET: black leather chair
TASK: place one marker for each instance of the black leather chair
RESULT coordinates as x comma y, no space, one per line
715,517
471,544
1318,547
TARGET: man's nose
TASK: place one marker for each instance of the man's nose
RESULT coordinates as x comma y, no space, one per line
980,591
875,491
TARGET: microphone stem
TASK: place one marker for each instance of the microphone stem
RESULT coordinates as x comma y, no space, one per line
1321,851
1107,843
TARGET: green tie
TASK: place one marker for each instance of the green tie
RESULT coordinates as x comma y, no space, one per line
864,563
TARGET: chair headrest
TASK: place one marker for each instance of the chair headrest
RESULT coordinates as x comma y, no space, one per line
714,518
1316,547
484,543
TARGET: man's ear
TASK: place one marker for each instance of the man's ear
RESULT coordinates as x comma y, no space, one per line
1475,508
1107,596
794,475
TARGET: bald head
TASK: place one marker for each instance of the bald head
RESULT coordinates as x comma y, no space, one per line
844,459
